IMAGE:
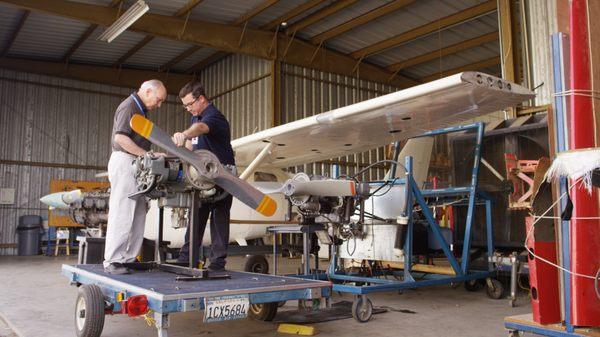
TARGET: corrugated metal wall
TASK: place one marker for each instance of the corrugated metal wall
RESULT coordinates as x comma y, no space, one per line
306,92
240,86
52,120
541,23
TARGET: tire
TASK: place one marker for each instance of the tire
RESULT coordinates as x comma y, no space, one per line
263,312
473,285
495,289
89,311
256,264
362,313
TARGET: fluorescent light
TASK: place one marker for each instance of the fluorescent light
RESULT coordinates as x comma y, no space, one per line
127,19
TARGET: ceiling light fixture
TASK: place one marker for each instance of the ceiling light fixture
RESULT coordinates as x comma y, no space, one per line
124,21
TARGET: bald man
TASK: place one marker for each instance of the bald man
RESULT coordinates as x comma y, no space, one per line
126,217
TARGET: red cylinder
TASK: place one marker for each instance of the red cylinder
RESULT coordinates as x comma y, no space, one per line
585,234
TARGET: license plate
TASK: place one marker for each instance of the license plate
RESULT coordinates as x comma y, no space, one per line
224,308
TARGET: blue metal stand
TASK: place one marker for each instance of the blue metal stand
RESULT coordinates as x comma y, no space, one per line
408,278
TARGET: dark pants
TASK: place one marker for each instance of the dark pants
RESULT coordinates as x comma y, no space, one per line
219,232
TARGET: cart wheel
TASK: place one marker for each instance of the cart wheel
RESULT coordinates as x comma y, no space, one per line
473,285
263,312
256,264
362,311
89,311
494,289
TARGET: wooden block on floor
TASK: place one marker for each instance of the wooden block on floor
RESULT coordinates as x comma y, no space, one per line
296,329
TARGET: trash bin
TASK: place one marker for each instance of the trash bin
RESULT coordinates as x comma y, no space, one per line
29,230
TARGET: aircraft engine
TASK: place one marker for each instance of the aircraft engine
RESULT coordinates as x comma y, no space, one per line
171,181
331,202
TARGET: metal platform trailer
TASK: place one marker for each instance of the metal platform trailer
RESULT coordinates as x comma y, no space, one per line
156,294
406,274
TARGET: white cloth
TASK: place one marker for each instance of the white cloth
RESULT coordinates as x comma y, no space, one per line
126,217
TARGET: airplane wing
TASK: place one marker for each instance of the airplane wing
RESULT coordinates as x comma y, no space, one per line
382,120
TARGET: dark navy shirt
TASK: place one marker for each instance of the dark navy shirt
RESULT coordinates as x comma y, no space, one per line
218,139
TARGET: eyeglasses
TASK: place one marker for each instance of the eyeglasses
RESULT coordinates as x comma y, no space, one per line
185,106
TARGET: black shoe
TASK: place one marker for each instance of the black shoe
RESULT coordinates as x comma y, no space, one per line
117,269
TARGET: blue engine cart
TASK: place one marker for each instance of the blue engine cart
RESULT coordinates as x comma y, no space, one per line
156,294
361,286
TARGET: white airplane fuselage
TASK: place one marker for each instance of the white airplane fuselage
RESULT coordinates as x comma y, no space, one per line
239,231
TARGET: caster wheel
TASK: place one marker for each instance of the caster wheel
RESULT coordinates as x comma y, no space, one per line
494,289
362,309
89,311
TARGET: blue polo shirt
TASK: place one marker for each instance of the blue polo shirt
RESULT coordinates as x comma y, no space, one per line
218,139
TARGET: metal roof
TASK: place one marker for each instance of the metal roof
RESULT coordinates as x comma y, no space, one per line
49,37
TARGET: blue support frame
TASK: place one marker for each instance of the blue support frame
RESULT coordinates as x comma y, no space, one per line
562,144
415,195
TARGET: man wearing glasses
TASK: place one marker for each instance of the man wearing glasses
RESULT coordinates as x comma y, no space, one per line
210,131
126,217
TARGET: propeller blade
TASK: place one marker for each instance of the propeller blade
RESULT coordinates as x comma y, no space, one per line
61,200
207,165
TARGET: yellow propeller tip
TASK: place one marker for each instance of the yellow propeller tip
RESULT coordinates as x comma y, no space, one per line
141,125
267,206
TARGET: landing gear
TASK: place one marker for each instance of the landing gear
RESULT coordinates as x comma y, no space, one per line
256,264
89,311
362,309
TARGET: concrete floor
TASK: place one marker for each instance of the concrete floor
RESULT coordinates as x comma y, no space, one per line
36,300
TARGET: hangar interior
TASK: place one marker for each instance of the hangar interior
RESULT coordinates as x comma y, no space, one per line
267,64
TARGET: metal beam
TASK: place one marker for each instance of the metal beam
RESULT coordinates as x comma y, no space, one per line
223,37
16,32
453,49
469,67
188,7
360,20
84,36
320,15
435,26
183,11
242,19
506,39
291,14
106,75
133,50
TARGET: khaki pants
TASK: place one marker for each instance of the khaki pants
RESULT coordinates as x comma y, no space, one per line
126,217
